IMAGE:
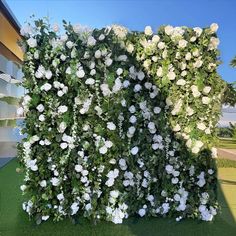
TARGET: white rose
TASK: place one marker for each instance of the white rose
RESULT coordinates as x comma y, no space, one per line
214,27
108,61
91,41
40,108
43,183
98,54
137,88
108,144
206,100
181,82
69,44
206,89
134,150
46,87
62,127
201,126
182,43
119,71
188,56
130,48
103,150
148,30
159,72
32,42
62,109
198,31
90,81
177,128
42,117
78,168
132,119
171,75
126,83
155,39
161,45
64,145
101,37
169,29
48,74
142,212
80,73
111,126
157,110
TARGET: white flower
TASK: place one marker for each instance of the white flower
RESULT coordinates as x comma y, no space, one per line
132,119
91,41
42,117
26,30
80,73
62,109
140,75
189,111
188,56
214,42
134,150
201,126
137,88
108,144
159,72
117,216
64,145
119,71
23,187
122,164
60,197
111,126
206,89
103,150
151,125
40,108
69,44
169,29
74,207
177,128
55,181
98,54
198,31
48,74
148,30
114,193
142,212
46,87
161,45
132,109
214,153
157,110
78,168
130,48
182,43
101,37
206,100
108,61
105,90
90,81
169,169
32,42
214,27
171,75
43,183
155,39
181,82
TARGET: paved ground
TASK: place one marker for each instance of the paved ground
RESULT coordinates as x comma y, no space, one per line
227,153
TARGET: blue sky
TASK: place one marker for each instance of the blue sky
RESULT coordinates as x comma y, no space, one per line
136,14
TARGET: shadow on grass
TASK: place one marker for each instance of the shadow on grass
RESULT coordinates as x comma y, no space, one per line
15,222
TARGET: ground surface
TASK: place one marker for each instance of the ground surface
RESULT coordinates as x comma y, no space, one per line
14,222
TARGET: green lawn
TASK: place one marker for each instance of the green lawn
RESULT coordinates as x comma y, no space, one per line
227,143
14,222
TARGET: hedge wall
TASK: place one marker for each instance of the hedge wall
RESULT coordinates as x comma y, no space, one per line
119,122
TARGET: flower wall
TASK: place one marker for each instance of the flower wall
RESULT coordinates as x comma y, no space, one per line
120,123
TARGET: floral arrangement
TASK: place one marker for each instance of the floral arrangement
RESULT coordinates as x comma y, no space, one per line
120,123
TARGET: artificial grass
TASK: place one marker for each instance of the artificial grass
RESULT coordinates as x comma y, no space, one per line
227,143
14,221
225,163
